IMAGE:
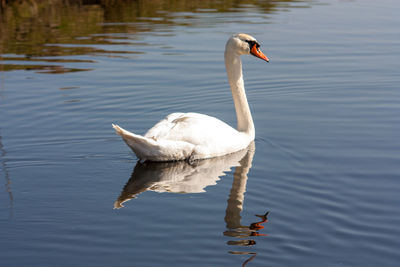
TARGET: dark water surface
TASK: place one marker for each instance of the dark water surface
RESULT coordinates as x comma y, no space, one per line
325,162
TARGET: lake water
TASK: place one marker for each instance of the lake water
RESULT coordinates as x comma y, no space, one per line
325,162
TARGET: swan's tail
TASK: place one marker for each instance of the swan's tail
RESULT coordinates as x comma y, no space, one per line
139,144
154,150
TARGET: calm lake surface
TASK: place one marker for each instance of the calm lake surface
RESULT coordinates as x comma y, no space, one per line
325,162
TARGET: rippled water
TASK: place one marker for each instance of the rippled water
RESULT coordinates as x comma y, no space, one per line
325,162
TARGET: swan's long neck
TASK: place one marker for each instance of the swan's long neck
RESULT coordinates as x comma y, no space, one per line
233,66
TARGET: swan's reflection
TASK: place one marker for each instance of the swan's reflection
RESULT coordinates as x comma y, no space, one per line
182,177
179,177
234,208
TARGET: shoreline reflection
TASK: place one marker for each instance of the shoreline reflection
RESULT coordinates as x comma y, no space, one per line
32,34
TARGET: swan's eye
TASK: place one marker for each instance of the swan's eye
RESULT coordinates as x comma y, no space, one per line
253,43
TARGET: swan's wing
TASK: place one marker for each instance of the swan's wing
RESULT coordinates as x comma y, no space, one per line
162,128
194,128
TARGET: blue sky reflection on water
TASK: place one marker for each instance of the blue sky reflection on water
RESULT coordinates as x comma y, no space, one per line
325,162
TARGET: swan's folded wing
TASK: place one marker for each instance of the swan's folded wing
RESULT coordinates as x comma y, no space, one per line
194,128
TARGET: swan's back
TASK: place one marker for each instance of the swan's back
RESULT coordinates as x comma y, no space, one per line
199,130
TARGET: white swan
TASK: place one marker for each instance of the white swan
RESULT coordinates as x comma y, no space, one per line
195,136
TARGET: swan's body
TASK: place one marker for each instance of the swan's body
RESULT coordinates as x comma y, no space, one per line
195,136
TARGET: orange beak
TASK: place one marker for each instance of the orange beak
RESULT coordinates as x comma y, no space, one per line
255,51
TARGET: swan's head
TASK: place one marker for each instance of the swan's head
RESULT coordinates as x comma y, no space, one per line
244,44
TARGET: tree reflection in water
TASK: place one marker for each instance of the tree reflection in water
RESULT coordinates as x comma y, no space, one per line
182,177
55,36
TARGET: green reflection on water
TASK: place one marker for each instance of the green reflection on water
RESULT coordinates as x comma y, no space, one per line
36,28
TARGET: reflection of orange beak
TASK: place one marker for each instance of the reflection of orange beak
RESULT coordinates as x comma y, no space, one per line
256,226
255,51
257,234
